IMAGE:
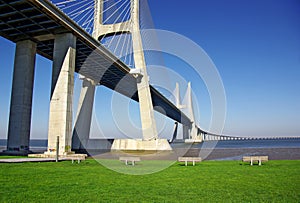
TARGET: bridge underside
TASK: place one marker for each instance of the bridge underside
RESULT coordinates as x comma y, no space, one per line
39,21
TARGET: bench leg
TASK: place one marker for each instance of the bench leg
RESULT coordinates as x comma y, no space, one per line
185,163
126,162
259,162
78,160
72,161
133,163
193,163
251,162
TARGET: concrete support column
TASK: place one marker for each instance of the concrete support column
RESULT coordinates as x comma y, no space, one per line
202,136
60,117
186,132
174,137
21,98
193,132
82,126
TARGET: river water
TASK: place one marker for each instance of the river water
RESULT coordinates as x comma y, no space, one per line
276,149
228,144
233,144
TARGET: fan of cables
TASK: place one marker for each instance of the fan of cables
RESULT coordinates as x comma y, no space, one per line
114,11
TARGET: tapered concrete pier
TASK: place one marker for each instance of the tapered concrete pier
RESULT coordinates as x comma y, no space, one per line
21,98
60,117
84,115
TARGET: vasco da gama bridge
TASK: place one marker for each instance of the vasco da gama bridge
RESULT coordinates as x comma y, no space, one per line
38,26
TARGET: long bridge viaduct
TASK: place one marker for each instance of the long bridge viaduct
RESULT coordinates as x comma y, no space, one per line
37,26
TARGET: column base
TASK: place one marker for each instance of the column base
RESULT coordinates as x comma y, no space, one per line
196,139
48,154
16,152
140,145
53,153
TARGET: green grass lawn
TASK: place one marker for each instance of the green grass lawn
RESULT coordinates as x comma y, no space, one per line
12,157
208,181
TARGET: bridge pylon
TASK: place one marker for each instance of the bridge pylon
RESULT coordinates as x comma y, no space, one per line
150,136
190,132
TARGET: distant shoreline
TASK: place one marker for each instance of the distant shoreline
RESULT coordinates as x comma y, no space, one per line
238,153
226,154
283,149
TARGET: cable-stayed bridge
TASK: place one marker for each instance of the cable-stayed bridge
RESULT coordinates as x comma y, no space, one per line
38,26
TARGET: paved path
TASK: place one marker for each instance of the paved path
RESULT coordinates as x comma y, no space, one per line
21,160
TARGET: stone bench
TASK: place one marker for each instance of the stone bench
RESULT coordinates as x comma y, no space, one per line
78,159
189,159
252,159
73,158
131,159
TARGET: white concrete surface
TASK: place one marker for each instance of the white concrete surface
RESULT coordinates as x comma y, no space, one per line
136,144
83,120
60,116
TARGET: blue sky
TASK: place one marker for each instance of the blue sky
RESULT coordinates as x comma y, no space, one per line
255,46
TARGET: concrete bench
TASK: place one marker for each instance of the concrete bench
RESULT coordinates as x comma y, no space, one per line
78,159
189,159
131,159
252,159
73,158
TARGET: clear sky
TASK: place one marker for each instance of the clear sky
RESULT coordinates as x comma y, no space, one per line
254,44
256,47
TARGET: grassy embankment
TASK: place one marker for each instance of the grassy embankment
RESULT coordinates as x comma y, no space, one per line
221,181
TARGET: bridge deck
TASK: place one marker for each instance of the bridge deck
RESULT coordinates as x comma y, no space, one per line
40,21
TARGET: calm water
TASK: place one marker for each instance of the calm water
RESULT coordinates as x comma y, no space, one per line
33,143
283,143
